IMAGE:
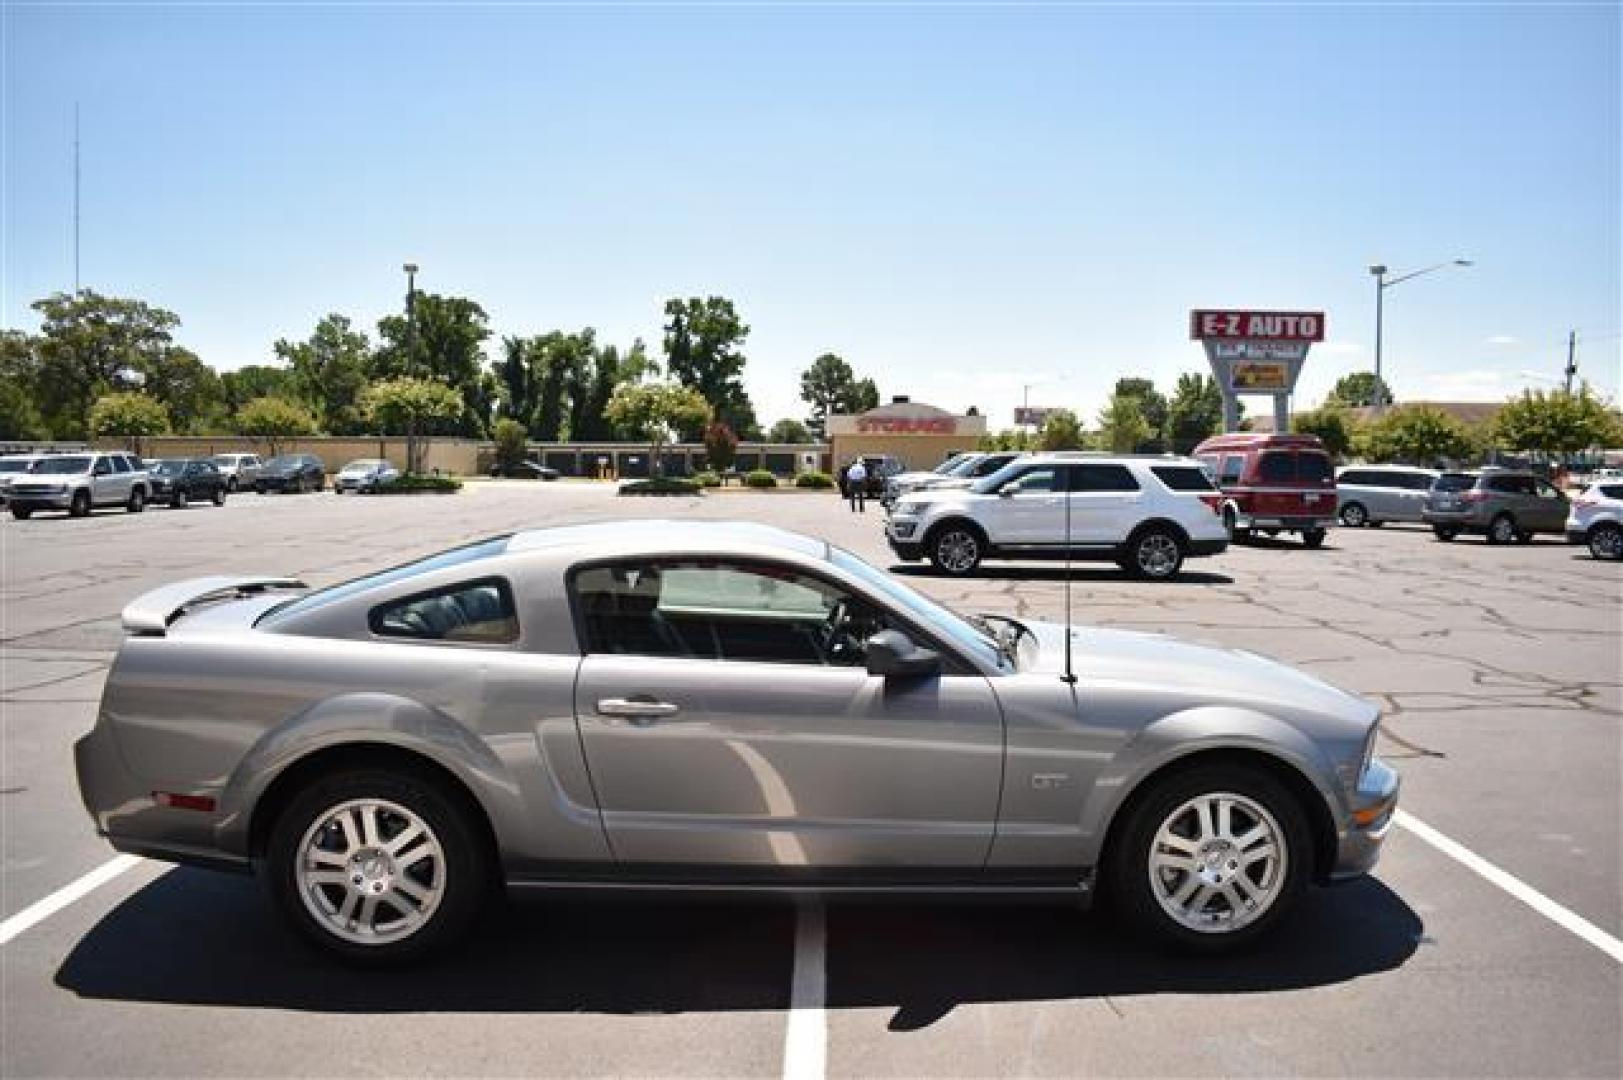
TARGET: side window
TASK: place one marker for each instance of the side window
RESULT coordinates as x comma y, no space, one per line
103,467
708,610
120,463
1233,469
1277,467
479,612
1102,478
1182,478
1033,481
1353,476
1547,491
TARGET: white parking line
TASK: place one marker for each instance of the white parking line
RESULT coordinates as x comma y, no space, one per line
1562,917
41,910
805,1036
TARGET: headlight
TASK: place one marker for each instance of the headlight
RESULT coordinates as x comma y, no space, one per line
911,509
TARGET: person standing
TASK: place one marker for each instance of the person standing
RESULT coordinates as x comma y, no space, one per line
856,486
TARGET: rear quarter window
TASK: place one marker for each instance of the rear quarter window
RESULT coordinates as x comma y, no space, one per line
1454,482
475,612
1612,491
1182,477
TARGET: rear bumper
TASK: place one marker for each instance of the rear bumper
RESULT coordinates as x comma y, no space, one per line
1279,521
1576,535
1216,546
1465,519
1374,804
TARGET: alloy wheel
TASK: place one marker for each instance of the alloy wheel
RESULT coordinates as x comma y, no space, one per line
1354,516
1157,555
371,871
1502,531
1606,542
957,551
1218,862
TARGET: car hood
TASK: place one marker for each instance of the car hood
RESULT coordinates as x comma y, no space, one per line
360,470
936,493
1213,674
270,472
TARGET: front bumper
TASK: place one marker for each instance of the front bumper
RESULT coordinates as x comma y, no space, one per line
61,501
1374,804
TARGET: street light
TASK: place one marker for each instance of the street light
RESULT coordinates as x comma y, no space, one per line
411,317
1383,283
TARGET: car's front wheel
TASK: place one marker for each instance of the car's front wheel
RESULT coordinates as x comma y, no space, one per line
1313,538
1445,533
1502,530
21,513
1606,541
956,549
179,498
378,867
79,505
219,495
1354,516
138,500
1210,858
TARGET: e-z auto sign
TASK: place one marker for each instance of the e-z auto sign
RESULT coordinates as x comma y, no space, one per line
1257,325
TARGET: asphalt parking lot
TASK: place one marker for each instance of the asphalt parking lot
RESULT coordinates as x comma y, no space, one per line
1500,669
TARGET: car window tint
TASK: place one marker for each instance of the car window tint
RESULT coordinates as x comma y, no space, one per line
1454,482
1182,477
1104,477
1036,481
1277,466
710,610
455,557
1313,466
119,463
1233,469
1547,491
477,611
1612,491
1353,476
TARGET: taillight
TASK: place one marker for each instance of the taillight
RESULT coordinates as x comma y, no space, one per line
1474,496
1213,502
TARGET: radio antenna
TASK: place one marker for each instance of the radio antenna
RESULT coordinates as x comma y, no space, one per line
1063,475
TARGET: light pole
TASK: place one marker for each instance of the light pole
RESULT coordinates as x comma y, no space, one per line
1382,283
411,317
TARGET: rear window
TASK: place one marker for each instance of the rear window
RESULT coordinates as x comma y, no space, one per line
1511,485
1277,466
1454,482
1313,466
1612,491
1182,477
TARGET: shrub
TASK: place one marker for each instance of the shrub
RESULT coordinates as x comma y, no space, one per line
707,479
760,478
814,480
660,485
412,485
512,441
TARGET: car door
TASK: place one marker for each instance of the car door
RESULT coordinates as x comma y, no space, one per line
105,487
1105,503
728,720
1550,508
1028,509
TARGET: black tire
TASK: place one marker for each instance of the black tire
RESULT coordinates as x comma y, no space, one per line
138,500
1127,878
1445,533
1313,538
178,500
1605,541
955,548
1524,536
259,489
21,513
1354,516
1502,529
231,483
1155,553
80,505
467,869
219,495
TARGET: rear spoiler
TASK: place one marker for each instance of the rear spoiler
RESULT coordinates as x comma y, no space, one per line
153,612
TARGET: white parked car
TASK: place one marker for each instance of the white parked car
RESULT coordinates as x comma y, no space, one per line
364,475
1596,519
239,470
1376,494
78,483
958,471
1146,513
13,466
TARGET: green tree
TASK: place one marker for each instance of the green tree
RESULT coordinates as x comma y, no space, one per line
1361,388
720,446
1194,413
520,380
1122,425
1061,430
830,386
703,351
88,345
789,431
1416,435
188,389
131,416
1557,422
19,381
1008,439
445,345
512,440
1153,404
413,408
252,381
274,421
329,371
1331,424
656,411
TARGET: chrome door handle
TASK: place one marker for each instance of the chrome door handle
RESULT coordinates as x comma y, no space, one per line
640,707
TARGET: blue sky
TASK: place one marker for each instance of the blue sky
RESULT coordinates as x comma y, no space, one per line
959,200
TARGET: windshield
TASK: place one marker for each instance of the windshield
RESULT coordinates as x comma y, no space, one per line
224,459
1453,482
62,466
963,467
942,620
15,464
992,481
284,462
164,468
364,464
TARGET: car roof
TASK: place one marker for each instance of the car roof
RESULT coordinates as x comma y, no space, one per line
611,538
1387,468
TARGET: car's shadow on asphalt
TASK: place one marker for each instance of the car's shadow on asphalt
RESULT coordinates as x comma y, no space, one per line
197,938
1053,572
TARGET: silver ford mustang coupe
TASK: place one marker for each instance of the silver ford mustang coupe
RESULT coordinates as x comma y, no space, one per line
717,706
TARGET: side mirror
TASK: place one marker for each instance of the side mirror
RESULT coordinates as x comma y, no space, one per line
893,653
1008,490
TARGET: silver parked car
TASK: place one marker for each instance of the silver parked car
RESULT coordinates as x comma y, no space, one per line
78,483
1376,494
239,470
1597,520
1505,505
727,706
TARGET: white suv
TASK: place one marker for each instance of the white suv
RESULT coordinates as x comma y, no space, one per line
1146,513
80,482
1597,520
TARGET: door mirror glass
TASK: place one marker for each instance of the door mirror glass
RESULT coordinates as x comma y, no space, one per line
891,653
1011,488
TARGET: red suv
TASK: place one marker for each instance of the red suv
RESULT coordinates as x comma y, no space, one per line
1274,483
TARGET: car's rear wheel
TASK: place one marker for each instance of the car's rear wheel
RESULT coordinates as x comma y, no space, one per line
1354,516
219,495
1502,529
377,867
21,513
1155,554
1445,533
1210,858
138,500
956,549
1313,538
80,504
231,483
1606,541
179,499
